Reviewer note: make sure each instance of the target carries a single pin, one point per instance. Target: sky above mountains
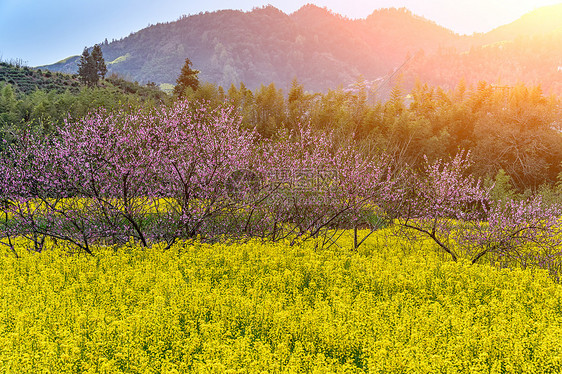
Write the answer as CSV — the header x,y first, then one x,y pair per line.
x,y
41,32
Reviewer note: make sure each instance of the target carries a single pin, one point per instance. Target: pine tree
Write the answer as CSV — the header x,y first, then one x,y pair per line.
x,y
100,63
92,66
187,78
87,69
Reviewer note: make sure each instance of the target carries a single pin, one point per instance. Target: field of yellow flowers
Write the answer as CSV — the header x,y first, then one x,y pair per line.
x,y
390,307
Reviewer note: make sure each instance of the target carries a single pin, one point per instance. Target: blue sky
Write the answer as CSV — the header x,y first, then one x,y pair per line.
x,y
45,31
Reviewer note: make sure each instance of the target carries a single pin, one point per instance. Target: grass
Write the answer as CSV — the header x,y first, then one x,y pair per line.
x,y
119,59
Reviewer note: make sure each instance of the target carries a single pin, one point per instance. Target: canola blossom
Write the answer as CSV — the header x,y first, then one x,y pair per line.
x,y
388,307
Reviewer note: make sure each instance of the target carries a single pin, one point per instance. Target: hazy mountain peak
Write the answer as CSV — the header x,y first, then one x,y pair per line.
x,y
268,10
311,10
324,50
543,20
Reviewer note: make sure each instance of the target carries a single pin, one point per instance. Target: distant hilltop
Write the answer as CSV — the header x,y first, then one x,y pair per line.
x,y
325,50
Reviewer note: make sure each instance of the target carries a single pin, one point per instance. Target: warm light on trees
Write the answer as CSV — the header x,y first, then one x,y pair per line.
x,y
187,79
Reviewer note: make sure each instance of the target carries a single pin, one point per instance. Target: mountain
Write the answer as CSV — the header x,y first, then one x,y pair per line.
x,y
545,20
324,50
320,48
528,50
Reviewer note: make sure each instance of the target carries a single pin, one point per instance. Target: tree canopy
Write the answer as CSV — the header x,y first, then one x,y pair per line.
x,y
92,66
187,79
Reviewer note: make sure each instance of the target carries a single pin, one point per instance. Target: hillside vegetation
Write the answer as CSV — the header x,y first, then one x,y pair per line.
x,y
324,50
27,80
43,100
516,129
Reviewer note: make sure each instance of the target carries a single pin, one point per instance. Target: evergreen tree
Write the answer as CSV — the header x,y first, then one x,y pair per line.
x,y
187,78
92,66
100,63
87,69
297,104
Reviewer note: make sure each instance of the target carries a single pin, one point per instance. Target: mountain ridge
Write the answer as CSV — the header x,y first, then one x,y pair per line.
x,y
320,48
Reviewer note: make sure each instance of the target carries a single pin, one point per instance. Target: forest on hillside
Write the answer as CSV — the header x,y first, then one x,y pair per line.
x,y
42,100
516,130
324,50
513,130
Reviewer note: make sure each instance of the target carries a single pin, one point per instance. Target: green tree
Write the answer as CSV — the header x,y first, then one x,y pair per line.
x,y
503,188
559,181
92,66
97,55
187,79
243,100
269,110
87,69
8,103
298,105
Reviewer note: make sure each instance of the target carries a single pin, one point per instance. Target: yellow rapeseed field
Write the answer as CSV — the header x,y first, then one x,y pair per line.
x,y
274,308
